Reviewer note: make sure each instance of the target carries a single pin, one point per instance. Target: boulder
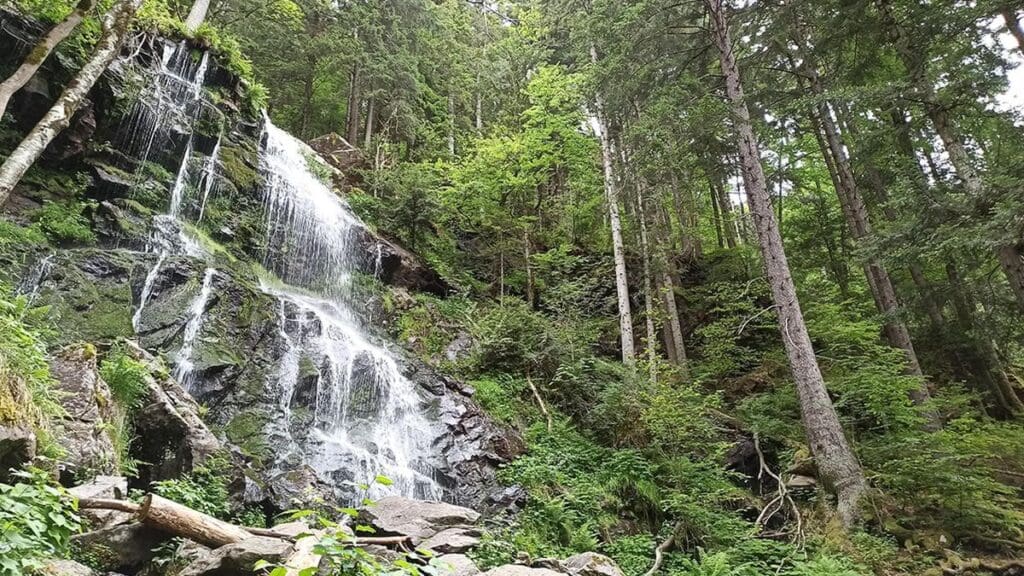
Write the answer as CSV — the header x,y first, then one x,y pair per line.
x,y
126,548
238,559
88,406
417,519
520,570
452,540
17,448
456,565
65,568
110,487
170,436
591,564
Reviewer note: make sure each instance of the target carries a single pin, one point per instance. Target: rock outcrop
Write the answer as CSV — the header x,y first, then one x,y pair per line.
x,y
83,431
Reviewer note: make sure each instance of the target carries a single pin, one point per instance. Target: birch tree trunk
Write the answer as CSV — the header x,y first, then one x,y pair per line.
x,y
619,253
116,26
836,462
197,15
41,52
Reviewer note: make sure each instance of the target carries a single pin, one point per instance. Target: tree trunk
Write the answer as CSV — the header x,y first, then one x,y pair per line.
x,y
42,50
652,338
370,112
716,216
451,124
1013,26
116,26
859,223
836,462
197,15
672,319
173,518
352,119
729,224
619,253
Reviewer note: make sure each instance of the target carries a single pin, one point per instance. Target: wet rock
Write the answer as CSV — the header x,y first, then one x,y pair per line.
x,y
397,266
417,519
88,406
591,564
238,559
109,487
123,548
456,565
17,448
459,348
519,570
452,540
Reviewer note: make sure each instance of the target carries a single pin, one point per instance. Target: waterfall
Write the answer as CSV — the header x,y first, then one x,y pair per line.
x,y
209,176
33,280
196,313
367,416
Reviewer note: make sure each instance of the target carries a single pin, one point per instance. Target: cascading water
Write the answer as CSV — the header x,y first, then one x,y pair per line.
x,y
367,419
184,365
367,415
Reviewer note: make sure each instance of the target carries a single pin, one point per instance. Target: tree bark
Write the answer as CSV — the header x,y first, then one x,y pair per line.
x,y
370,112
619,253
173,518
42,50
197,15
1013,26
652,338
354,101
836,462
716,216
729,224
116,26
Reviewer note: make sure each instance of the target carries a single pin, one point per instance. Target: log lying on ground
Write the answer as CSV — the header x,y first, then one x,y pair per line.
x,y
180,520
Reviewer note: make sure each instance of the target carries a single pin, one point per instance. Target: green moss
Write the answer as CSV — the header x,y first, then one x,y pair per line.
x,y
237,166
245,430
87,310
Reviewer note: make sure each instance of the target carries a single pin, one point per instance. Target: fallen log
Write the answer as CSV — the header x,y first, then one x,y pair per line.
x,y
173,518
303,556
180,520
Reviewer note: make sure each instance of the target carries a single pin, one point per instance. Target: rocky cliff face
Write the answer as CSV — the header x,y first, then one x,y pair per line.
x,y
170,169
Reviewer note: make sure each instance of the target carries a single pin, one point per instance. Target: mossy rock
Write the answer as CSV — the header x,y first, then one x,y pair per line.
x,y
245,430
238,165
90,295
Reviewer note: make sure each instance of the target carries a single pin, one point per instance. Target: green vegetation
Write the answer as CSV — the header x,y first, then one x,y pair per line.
x,y
37,520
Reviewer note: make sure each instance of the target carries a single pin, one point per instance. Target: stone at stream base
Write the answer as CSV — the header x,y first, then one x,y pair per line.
x,y
125,548
452,540
520,570
591,564
85,397
238,559
17,448
456,565
109,487
417,519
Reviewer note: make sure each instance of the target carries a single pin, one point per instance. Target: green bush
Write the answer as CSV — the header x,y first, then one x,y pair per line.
x,y
37,519
126,378
204,489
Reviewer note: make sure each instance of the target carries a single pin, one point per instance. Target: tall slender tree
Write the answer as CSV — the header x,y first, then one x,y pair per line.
x,y
836,462
42,50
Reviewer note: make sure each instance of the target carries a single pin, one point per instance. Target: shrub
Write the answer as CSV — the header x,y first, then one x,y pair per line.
x,y
37,519
64,222
126,378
